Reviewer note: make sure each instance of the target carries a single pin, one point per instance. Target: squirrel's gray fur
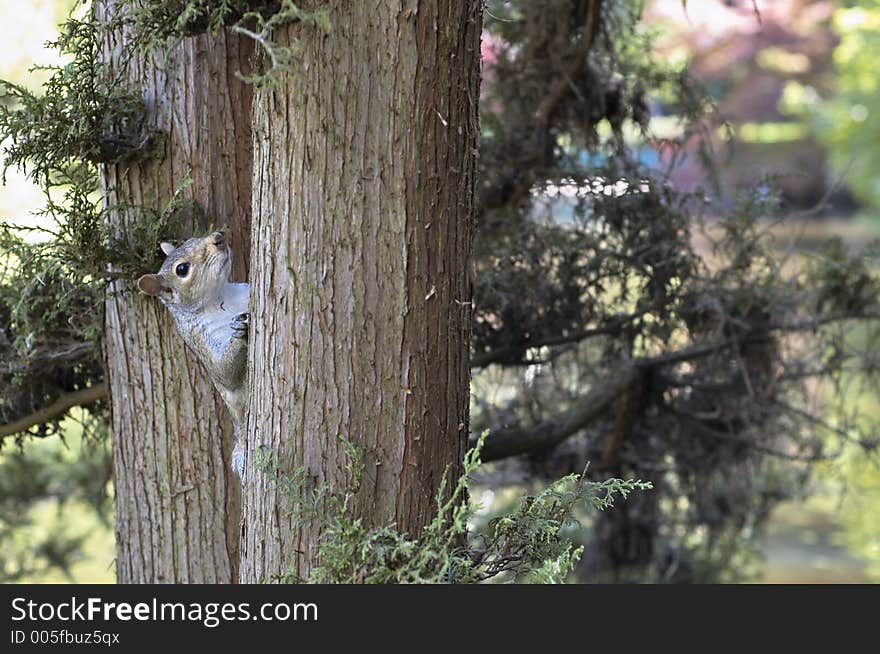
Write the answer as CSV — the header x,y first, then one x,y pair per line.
x,y
211,315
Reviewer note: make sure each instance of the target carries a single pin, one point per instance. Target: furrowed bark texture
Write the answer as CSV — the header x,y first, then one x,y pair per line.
x,y
363,213
177,502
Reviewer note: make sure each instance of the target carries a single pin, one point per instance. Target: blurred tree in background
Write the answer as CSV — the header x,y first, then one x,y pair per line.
x,y
631,307
653,330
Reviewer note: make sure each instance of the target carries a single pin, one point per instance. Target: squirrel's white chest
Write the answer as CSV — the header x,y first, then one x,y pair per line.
x,y
216,320
234,298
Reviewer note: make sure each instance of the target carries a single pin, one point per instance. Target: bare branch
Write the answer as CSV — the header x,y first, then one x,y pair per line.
x,y
58,408
70,353
504,443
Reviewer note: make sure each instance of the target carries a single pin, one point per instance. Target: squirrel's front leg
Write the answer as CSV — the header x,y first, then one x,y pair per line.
x,y
233,359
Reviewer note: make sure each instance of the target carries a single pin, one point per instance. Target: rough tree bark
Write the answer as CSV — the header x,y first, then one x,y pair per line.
x,y
177,505
363,213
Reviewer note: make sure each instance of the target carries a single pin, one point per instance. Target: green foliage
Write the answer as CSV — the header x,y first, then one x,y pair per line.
x,y
282,58
852,481
85,115
848,122
50,325
155,23
526,545
55,506
307,503
39,296
858,511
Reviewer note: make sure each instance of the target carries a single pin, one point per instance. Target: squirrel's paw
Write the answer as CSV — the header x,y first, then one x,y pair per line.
x,y
238,460
240,325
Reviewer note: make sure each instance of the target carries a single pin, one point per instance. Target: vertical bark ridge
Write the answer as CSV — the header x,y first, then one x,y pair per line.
x,y
364,172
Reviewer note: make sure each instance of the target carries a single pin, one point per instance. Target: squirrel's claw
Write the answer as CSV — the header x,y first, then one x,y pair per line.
x,y
240,325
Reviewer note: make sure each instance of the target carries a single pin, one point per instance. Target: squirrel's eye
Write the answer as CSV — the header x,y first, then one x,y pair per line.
x,y
182,269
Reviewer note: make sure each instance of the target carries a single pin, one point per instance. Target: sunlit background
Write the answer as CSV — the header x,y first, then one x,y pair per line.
x,y
799,87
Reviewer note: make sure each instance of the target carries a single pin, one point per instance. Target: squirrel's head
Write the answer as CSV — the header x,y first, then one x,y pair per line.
x,y
193,273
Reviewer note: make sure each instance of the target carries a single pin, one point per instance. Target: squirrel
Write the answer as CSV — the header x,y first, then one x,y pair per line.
x,y
211,314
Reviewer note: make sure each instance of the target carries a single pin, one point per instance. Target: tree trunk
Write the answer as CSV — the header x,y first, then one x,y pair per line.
x,y
363,213
177,503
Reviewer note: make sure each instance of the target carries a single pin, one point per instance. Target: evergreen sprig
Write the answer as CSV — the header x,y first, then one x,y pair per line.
x,y
526,545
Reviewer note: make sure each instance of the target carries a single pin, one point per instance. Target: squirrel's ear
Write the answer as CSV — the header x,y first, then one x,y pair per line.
x,y
151,285
166,247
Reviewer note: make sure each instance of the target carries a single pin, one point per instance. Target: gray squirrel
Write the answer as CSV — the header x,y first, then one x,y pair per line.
x,y
211,315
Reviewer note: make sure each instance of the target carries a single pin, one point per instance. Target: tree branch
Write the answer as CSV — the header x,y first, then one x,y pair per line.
x,y
504,443
58,408
75,351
